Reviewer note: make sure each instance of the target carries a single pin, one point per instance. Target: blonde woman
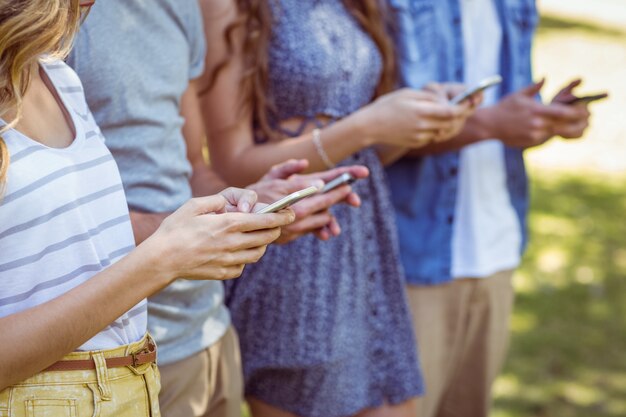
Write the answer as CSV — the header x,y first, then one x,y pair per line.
x,y
72,284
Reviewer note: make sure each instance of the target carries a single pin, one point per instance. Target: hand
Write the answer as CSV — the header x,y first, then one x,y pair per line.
x,y
410,118
451,90
573,124
312,213
201,241
446,92
239,200
519,120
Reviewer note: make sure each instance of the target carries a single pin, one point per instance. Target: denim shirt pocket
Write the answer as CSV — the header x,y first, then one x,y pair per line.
x,y
414,22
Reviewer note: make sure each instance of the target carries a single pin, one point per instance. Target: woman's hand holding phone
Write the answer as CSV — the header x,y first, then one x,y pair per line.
x,y
312,213
202,241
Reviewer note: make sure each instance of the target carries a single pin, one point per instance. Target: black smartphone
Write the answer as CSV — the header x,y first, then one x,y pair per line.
x,y
587,99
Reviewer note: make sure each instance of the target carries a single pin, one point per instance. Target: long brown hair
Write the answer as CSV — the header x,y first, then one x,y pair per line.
x,y
255,19
28,30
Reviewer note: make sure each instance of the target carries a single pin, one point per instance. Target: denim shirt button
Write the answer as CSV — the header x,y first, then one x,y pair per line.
x,y
450,219
459,73
456,20
454,171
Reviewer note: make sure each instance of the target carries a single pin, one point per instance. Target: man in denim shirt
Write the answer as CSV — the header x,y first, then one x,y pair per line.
x,y
461,205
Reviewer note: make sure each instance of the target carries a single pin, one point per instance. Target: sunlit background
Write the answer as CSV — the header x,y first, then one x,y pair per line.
x,y
568,352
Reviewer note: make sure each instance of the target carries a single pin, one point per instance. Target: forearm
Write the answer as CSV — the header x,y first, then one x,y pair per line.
x,y
247,166
205,181
36,338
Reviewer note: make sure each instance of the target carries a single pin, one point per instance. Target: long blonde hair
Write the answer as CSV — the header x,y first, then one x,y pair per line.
x,y
29,29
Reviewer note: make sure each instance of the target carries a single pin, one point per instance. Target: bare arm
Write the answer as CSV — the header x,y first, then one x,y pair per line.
x,y
36,338
204,181
404,118
190,243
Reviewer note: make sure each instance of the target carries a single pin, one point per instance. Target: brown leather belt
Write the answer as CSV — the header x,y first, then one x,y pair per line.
x,y
146,355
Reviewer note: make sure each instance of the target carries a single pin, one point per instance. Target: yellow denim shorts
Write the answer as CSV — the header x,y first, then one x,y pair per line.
x,y
105,392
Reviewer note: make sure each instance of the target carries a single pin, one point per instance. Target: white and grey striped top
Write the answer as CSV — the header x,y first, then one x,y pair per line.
x,y
64,217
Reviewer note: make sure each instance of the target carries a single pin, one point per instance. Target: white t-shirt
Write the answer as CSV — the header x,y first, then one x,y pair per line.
x,y
487,235
63,217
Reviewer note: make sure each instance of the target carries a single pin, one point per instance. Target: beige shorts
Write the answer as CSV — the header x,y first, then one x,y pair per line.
x,y
209,383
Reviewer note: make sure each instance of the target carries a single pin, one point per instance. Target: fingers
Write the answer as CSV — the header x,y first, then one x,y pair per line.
x,y
286,169
435,111
421,95
358,171
248,222
353,200
219,273
240,199
243,257
322,234
201,205
333,227
561,112
310,223
239,241
533,89
454,89
569,87
299,182
321,201
571,130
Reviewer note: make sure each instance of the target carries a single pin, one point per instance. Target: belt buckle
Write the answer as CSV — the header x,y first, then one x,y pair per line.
x,y
148,347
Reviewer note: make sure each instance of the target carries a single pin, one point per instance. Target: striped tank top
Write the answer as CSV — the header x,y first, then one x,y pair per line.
x,y
63,217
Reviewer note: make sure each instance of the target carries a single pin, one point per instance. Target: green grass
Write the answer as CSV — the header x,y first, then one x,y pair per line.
x,y
568,352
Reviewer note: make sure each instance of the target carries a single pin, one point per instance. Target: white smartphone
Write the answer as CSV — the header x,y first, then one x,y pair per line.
x,y
343,179
287,201
481,86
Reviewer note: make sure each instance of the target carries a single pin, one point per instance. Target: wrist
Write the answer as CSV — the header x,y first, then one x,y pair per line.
x,y
362,128
155,262
486,123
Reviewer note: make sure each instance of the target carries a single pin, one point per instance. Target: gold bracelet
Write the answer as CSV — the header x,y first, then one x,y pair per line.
x,y
317,141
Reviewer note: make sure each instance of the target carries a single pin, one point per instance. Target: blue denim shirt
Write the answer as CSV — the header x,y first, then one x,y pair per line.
x,y
429,38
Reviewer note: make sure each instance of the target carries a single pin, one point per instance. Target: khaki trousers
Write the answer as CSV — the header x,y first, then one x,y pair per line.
x,y
462,329
209,383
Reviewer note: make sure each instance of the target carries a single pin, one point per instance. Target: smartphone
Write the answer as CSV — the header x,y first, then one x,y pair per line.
x,y
481,86
343,179
287,201
587,99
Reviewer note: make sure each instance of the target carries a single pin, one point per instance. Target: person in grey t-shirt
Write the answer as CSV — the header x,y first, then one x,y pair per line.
x,y
138,61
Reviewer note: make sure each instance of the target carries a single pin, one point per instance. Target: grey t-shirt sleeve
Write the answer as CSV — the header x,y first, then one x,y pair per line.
x,y
197,41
